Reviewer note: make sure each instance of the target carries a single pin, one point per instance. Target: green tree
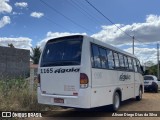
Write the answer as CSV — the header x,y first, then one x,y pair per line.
x,y
152,70
11,45
35,54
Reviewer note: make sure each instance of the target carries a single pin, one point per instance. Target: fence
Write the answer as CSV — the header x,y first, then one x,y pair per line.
x,y
14,62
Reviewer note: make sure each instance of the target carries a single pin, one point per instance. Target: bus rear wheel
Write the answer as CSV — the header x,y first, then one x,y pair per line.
x,y
116,102
139,97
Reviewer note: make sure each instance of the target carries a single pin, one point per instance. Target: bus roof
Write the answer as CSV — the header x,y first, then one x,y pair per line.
x,y
99,42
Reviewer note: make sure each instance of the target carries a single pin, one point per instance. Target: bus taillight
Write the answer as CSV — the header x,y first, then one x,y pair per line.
x,y
38,80
83,80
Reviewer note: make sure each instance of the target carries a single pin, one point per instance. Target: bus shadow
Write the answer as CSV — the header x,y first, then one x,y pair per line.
x,y
128,102
151,91
93,112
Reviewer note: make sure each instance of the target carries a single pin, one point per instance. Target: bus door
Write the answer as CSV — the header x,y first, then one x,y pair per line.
x,y
136,78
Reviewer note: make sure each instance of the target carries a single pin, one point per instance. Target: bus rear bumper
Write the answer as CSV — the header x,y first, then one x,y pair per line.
x,y
66,101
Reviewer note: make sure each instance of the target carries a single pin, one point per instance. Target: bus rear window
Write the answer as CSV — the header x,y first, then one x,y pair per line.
x,y
62,53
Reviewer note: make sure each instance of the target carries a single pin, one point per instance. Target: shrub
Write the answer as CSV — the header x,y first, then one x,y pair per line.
x,y
15,95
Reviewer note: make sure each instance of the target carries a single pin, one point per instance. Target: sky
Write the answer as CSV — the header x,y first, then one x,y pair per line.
x,y
30,23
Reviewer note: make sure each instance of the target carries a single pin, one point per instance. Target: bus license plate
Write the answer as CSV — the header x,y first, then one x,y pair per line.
x,y
58,100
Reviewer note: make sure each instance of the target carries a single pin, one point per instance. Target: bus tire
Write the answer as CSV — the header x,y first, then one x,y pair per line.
x,y
139,97
116,102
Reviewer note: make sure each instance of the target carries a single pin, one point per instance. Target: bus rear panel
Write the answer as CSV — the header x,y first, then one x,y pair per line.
x,y
62,82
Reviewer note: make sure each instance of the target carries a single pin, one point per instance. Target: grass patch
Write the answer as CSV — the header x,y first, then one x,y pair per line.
x,y
15,95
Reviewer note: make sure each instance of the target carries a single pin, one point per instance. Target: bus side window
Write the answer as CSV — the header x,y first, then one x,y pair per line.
x,y
126,62
110,59
116,60
95,57
135,65
121,60
139,67
130,64
103,58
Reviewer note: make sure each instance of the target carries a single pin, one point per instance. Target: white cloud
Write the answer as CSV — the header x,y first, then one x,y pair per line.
x,y
4,21
21,4
58,34
20,42
5,7
37,14
17,13
147,32
144,54
51,35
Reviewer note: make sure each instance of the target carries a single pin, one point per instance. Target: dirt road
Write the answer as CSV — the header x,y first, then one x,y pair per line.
x,y
150,102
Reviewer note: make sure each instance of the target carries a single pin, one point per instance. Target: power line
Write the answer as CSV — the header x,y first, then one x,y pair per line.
x,y
133,37
89,11
79,24
80,10
65,16
83,11
139,41
50,20
108,18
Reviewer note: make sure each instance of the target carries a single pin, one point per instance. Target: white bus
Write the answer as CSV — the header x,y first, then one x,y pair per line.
x,y
82,72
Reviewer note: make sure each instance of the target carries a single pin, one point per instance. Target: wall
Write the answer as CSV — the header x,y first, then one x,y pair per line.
x,y
14,62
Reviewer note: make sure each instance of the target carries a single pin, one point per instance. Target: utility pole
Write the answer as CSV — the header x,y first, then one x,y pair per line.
x,y
133,45
158,60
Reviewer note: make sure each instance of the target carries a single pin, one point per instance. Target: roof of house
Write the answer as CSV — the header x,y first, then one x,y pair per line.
x,y
33,66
